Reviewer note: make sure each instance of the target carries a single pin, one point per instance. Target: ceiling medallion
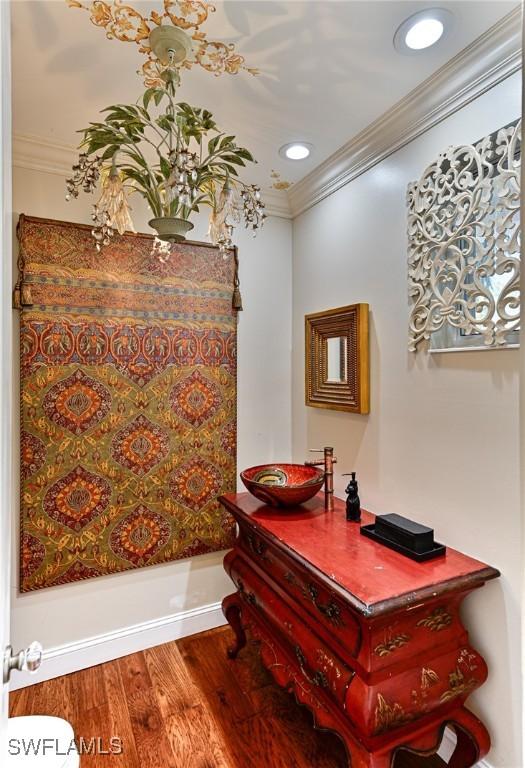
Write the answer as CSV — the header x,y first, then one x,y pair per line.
x,y
172,154
122,22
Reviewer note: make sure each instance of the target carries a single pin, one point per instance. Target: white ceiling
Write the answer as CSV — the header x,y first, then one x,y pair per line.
x,y
328,69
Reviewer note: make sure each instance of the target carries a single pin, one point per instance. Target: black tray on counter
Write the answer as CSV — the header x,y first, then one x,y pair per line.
x,y
404,536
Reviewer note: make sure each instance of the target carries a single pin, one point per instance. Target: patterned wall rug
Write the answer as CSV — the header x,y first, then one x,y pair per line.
x,y
128,403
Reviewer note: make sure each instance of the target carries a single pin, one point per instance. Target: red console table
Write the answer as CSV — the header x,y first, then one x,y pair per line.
x,y
369,640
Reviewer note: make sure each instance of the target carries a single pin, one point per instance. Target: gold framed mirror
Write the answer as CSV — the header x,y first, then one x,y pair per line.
x,y
337,364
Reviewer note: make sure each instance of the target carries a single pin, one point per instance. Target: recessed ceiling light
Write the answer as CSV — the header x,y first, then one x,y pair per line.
x,y
296,150
422,30
424,34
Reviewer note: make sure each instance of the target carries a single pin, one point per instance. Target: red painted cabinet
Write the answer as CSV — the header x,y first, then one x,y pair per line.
x,y
369,640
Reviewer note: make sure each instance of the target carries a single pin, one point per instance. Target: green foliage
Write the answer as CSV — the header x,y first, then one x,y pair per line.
x,y
143,146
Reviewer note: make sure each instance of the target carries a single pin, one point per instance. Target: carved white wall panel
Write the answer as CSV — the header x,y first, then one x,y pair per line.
x,y
464,242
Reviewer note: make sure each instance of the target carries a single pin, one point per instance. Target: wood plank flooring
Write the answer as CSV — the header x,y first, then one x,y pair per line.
x,y
185,705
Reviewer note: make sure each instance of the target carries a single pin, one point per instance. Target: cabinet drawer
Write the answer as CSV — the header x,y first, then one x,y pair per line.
x,y
318,664
412,692
401,637
335,620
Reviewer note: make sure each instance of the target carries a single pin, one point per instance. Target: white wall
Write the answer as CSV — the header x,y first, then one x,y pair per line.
x,y
6,403
522,429
70,613
441,441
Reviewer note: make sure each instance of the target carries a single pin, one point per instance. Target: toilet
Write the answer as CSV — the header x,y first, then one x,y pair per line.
x,y
39,741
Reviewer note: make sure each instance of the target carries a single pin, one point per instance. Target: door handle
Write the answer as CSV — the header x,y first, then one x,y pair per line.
x,y
28,660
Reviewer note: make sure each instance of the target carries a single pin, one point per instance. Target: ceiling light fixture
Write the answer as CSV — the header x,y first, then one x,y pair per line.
x,y
296,150
424,34
422,30
194,163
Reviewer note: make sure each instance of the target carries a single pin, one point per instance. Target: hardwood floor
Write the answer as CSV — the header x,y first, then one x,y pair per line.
x,y
185,705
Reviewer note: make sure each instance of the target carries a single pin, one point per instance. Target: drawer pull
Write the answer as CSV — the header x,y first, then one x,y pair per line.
x,y
248,596
318,678
331,610
258,548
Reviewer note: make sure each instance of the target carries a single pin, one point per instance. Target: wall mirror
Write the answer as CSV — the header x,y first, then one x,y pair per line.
x,y
337,367
336,351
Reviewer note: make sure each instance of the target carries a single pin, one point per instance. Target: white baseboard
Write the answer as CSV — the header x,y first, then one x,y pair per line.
x,y
64,659
447,748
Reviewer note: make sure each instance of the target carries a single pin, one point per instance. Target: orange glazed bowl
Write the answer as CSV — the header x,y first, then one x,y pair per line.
x,y
283,485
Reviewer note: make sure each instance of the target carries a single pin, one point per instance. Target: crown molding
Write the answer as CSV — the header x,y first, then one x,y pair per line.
x,y
486,62
36,153
277,203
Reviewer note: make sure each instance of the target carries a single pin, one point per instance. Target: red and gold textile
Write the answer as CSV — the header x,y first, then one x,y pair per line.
x,y
128,403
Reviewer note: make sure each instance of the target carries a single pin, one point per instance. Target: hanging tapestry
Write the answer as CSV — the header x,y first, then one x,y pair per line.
x,y
128,402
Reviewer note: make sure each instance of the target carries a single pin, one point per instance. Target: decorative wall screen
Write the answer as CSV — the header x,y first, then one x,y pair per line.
x,y
464,246
128,403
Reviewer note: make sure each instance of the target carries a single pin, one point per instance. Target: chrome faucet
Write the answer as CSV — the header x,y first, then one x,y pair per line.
x,y
328,463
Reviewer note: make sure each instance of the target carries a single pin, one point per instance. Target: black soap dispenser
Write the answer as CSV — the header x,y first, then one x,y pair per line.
x,y
353,503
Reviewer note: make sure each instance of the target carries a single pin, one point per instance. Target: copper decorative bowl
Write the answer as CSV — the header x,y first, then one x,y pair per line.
x,y
283,485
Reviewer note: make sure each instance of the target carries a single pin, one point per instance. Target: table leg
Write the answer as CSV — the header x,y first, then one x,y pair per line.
x,y
232,610
360,758
380,761
473,740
